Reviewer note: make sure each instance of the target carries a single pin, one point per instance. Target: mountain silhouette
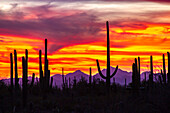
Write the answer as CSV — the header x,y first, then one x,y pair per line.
x,y
57,78
119,77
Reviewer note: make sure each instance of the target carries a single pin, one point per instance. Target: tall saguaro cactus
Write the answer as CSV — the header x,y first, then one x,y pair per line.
x,y
40,69
16,70
11,65
139,71
151,72
90,77
45,60
26,62
164,70
24,82
46,71
108,76
168,74
136,75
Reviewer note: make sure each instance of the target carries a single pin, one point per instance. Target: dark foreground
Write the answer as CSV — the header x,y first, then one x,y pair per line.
x,y
85,98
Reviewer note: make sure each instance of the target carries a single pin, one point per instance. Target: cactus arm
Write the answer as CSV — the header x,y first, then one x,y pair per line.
x,y
100,73
114,72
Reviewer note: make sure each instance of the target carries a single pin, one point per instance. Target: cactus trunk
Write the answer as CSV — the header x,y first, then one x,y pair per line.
x,y
24,82
16,70
11,65
46,67
90,77
151,72
108,76
168,74
26,62
164,70
138,71
40,69
108,57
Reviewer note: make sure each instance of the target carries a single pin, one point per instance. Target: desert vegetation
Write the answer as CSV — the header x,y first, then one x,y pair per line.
x,y
92,96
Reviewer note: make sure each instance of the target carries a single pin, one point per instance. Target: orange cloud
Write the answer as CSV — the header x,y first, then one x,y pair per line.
x,y
77,34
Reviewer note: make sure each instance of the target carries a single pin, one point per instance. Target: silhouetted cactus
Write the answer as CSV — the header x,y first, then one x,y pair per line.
x,y
164,70
46,71
26,62
16,70
11,66
24,82
108,76
48,78
134,77
32,82
168,74
40,69
90,77
151,72
138,69
160,78
11,79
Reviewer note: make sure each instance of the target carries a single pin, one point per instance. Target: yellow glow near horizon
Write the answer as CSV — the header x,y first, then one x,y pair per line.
x,y
136,29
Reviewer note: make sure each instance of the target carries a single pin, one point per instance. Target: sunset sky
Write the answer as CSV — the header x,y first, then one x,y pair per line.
x,y
76,33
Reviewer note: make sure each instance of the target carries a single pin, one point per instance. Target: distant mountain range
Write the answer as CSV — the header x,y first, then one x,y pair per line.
x,y
119,77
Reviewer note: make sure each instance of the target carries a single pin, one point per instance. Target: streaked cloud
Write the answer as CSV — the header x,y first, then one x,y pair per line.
x,y
76,32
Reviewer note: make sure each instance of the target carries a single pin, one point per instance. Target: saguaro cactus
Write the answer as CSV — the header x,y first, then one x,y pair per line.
x,y
24,82
164,70
16,70
33,77
26,62
90,77
45,60
40,69
138,68
151,72
136,74
11,65
46,71
168,74
108,76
